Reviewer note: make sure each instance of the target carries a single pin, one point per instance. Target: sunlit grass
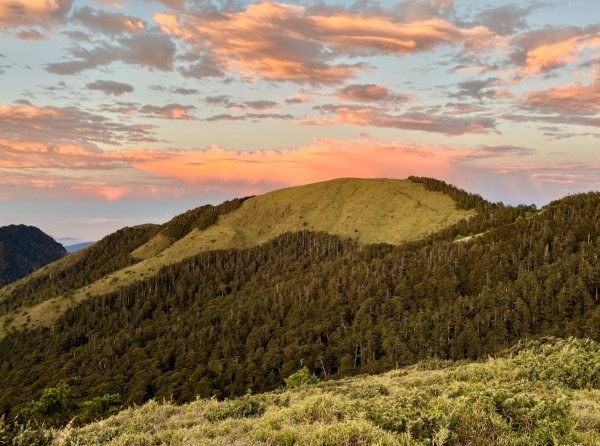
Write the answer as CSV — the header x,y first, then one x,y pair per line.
x,y
501,401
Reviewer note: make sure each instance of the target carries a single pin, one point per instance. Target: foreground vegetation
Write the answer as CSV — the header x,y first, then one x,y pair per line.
x,y
543,393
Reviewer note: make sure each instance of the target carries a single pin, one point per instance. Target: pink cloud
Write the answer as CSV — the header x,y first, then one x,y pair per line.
x,y
573,98
158,175
325,159
23,122
169,111
102,191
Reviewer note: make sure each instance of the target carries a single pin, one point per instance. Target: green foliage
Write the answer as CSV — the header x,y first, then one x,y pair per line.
x,y
55,407
58,405
302,377
485,403
464,199
574,362
199,218
97,409
16,433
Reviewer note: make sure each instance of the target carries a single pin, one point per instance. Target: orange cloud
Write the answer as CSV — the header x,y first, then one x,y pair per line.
x,y
102,191
545,57
381,35
325,159
28,111
75,171
286,42
15,13
548,56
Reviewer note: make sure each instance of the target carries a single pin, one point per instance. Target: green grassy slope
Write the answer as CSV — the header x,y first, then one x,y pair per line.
x,y
366,210
545,394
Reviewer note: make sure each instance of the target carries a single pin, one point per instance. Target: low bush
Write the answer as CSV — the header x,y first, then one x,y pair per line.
x,y
302,377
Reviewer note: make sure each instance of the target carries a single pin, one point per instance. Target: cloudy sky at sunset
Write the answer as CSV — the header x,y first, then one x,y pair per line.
x,y
120,112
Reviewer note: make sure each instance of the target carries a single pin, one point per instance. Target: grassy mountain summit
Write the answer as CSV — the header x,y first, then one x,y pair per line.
x,y
364,210
367,210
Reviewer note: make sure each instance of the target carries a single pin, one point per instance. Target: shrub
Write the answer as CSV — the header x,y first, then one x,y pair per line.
x,y
30,433
239,408
302,377
97,409
571,362
55,408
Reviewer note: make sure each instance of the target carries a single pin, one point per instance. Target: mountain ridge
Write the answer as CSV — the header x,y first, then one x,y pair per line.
x,y
224,322
366,215
24,249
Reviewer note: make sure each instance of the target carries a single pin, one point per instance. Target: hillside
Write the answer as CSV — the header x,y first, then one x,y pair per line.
x,y
539,394
228,321
225,322
23,249
367,211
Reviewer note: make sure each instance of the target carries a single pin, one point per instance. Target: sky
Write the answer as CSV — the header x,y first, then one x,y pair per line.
x,y
120,112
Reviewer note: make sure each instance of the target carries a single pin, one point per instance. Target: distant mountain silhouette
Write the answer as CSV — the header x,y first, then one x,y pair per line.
x,y
77,246
23,249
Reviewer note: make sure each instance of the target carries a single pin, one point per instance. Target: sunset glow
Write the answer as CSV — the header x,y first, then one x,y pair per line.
x,y
123,112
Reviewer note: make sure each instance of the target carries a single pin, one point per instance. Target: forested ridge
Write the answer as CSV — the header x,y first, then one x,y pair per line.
x,y
110,254
225,322
24,249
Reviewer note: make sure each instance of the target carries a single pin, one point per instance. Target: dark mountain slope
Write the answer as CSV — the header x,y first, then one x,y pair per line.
x,y
227,321
24,249
110,254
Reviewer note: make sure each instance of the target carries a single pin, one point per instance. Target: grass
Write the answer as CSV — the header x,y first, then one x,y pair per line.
x,y
367,210
546,394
